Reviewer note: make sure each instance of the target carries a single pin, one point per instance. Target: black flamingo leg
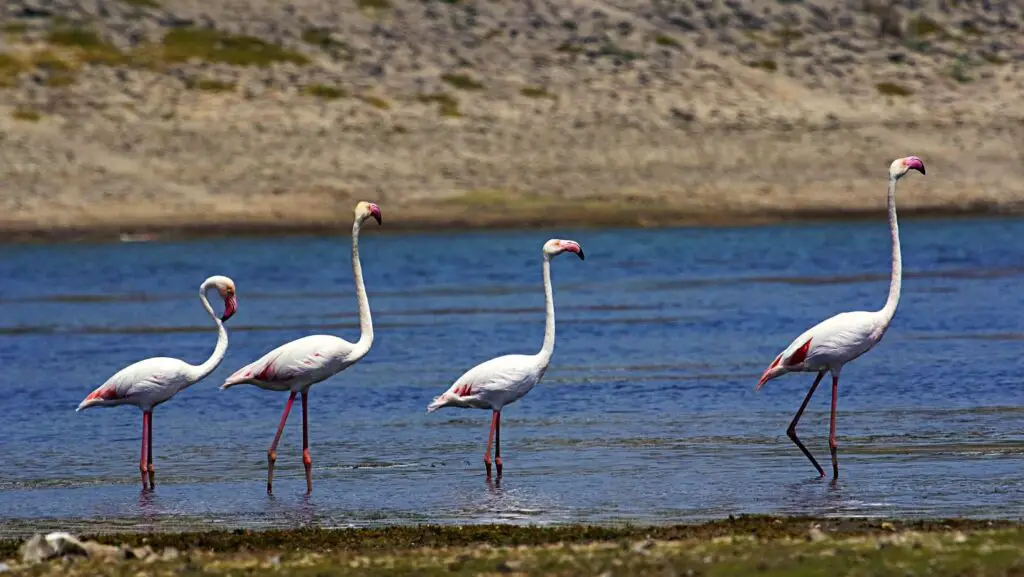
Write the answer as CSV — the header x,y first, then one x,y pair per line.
x,y
791,431
490,439
307,461
272,451
497,441
142,458
149,455
833,447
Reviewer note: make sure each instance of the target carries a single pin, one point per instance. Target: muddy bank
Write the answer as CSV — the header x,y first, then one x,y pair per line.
x,y
742,545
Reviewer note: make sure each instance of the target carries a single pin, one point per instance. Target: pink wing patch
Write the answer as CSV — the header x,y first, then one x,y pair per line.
x,y
463,390
799,355
103,393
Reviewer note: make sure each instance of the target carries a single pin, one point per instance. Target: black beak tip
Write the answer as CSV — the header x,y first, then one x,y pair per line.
x,y
922,170
580,253
224,318
379,220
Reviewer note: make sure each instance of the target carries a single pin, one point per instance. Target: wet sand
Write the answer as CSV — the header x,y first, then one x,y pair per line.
x,y
737,546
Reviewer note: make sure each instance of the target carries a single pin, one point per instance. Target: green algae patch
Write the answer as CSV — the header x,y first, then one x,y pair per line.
x,y
736,546
209,45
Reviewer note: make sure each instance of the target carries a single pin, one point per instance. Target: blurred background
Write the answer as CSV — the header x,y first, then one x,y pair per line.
x,y
135,115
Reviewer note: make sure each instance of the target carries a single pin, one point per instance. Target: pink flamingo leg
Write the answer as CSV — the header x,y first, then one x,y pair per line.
x,y
490,439
142,458
149,454
791,431
497,441
306,459
833,447
272,451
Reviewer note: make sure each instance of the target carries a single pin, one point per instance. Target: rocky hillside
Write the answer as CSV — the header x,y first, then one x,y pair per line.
x,y
155,113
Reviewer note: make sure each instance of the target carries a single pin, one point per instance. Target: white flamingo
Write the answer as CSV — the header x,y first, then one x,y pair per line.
x,y
151,382
832,343
506,379
302,363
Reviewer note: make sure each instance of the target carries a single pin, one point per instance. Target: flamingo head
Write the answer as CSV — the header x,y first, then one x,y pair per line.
x,y
902,166
365,210
226,289
555,247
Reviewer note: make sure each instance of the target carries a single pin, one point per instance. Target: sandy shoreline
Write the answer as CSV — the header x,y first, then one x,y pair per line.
x,y
413,221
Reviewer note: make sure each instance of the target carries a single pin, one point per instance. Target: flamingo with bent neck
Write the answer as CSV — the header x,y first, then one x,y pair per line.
x,y
153,381
506,379
829,345
300,364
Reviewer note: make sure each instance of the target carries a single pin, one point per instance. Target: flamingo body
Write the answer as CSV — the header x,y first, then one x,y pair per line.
x,y
144,384
828,345
492,384
297,365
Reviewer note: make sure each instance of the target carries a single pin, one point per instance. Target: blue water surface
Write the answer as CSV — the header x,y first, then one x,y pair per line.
x,y
648,413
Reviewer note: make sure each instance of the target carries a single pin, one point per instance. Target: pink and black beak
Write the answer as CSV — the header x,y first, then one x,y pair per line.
x,y
375,213
573,248
230,306
915,163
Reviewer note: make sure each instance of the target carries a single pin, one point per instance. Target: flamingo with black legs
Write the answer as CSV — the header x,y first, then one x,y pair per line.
x,y
300,364
832,343
503,380
153,381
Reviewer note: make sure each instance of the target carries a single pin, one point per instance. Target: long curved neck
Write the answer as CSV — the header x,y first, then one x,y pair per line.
x,y
548,347
889,309
211,363
365,320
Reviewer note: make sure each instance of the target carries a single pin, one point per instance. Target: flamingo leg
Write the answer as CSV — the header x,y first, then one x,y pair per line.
x,y
307,461
272,451
791,431
833,447
497,441
490,438
142,457
149,454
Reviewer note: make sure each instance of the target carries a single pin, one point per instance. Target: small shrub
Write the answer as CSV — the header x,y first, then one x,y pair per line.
x,y
15,28
959,70
461,81
58,71
26,114
210,85
993,58
892,89
922,27
917,45
569,48
769,65
970,28
787,36
535,92
87,45
10,68
447,105
373,4
183,44
375,101
326,92
142,3
663,40
615,51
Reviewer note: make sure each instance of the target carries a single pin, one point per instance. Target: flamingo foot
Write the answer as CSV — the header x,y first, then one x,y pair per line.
x,y
487,465
144,472
498,464
152,476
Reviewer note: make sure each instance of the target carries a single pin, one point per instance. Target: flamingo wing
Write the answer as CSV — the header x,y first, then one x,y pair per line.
x,y
145,383
309,359
491,384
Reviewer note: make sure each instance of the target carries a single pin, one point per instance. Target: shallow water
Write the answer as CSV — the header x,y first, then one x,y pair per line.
x,y
647,414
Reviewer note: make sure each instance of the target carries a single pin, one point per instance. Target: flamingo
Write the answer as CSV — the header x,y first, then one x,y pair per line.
x,y
300,364
153,381
829,345
506,379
